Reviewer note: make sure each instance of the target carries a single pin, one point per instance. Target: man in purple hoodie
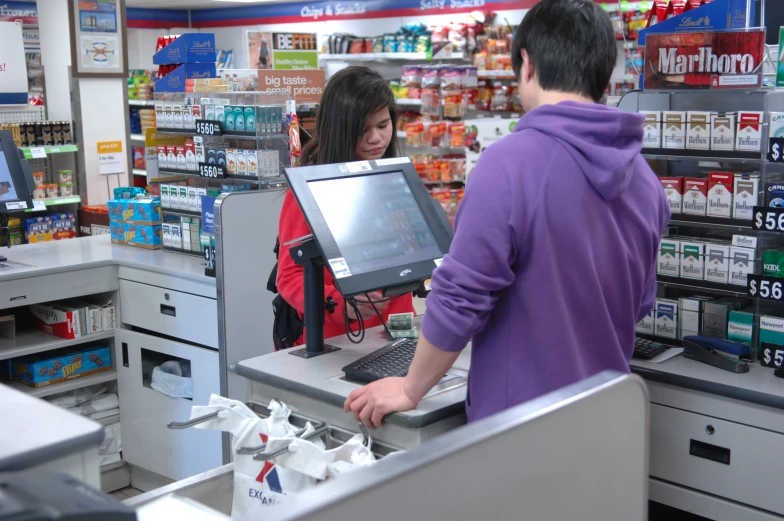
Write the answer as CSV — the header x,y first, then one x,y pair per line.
x,y
554,256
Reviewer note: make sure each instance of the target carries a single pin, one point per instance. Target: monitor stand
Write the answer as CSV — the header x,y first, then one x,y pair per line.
x,y
307,255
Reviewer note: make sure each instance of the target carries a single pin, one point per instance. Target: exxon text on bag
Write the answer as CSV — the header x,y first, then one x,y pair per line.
x,y
720,60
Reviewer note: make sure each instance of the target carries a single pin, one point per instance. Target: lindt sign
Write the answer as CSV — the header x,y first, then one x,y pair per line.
x,y
704,60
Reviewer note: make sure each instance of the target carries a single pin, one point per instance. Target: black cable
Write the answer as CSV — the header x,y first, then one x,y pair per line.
x,y
389,335
358,336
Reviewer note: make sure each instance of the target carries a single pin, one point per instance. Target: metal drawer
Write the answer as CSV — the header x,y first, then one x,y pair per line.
x,y
728,459
172,313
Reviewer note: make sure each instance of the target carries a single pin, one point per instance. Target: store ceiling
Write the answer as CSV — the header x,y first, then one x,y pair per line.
x,y
196,4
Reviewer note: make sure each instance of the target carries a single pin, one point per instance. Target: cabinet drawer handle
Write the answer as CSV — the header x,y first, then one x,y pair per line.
x,y
168,310
125,354
710,452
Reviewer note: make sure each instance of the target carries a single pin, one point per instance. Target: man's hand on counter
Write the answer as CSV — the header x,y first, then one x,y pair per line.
x,y
371,403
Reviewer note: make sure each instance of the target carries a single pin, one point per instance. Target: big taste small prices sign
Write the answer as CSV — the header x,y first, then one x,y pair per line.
x,y
705,60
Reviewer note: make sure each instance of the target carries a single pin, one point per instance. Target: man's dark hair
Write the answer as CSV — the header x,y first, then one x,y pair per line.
x,y
571,45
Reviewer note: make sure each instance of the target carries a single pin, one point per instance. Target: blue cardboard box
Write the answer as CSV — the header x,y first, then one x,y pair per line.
x,y
175,80
57,366
143,236
140,211
188,48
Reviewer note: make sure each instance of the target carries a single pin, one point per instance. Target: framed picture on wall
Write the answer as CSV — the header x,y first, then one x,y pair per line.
x,y
99,47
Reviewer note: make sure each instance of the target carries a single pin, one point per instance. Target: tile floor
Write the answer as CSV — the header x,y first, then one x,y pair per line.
x,y
125,493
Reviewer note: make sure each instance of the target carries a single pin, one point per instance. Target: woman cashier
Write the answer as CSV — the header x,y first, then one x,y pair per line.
x,y
356,121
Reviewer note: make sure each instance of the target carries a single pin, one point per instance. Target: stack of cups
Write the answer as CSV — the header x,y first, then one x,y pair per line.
x,y
66,182
40,188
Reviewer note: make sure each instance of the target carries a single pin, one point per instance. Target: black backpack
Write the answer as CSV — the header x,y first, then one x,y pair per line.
x,y
288,326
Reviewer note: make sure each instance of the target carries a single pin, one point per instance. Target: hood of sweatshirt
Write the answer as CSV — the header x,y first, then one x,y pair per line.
x,y
604,141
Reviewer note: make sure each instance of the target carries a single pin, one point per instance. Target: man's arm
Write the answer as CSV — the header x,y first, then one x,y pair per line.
x,y
370,404
466,288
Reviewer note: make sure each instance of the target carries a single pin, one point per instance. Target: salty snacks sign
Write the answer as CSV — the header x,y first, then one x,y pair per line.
x,y
705,60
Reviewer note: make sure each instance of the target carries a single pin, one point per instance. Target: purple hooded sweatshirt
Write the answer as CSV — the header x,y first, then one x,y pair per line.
x,y
554,256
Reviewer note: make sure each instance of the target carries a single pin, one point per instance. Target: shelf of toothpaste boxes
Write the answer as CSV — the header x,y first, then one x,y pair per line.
x,y
709,150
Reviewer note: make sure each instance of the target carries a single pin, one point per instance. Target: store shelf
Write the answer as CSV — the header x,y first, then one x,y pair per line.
x,y
730,289
173,171
496,75
58,201
710,222
137,137
32,341
714,156
139,171
183,213
59,149
68,385
230,135
141,103
390,56
184,252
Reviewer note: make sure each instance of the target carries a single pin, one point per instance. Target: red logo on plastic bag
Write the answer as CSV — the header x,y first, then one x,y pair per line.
x,y
269,473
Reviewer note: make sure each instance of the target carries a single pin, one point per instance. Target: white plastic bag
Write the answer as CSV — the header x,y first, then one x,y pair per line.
x,y
76,397
257,484
168,379
316,462
261,484
112,440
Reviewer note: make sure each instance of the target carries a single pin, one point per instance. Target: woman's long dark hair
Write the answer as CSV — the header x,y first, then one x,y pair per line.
x,y
350,98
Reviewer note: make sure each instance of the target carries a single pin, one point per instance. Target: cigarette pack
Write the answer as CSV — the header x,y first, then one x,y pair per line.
x,y
55,321
160,116
231,161
177,116
774,195
741,264
776,125
688,317
720,186
163,157
695,196
740,327
176,233
771,340
666,320
674,130
183,197
717,263
749,131
673,188
645,326
744,241
187,117
193,206
242,162
190,156
773,263
669,258
182,163
220,114
165,200
723,131
698,130
652,135
252,158
745,196
692,259
167,238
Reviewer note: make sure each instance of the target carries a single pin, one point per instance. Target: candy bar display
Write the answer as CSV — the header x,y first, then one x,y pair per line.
x,y
41,133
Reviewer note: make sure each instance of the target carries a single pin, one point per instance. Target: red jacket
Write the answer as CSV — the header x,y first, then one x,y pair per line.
x,y
291,278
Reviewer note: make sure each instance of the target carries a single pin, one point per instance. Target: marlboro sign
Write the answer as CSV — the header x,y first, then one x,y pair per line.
x,y
704,60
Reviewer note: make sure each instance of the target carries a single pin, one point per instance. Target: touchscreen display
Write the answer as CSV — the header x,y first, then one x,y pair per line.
x,y
375,221
7,191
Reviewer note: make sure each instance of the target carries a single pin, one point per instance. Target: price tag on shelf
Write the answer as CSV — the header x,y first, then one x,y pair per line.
x,y
212,171
208,127
768,219
776,149
38,205
765,287
38,153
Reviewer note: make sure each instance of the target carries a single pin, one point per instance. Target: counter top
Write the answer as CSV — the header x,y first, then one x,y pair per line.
x,y
92,252
321,378
28,438
757,386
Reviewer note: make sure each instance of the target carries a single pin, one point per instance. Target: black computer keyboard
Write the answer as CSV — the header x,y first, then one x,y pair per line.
x,y
391,360
648,349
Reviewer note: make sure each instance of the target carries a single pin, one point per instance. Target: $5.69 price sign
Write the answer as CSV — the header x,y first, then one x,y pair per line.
x,y
768,219
776,149
768,288
208,127
212,171
771,355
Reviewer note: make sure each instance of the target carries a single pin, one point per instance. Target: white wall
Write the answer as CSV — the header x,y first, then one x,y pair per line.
x,y
55,57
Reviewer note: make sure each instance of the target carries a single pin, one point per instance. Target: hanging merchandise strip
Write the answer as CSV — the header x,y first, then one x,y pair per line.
x,y
320,11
